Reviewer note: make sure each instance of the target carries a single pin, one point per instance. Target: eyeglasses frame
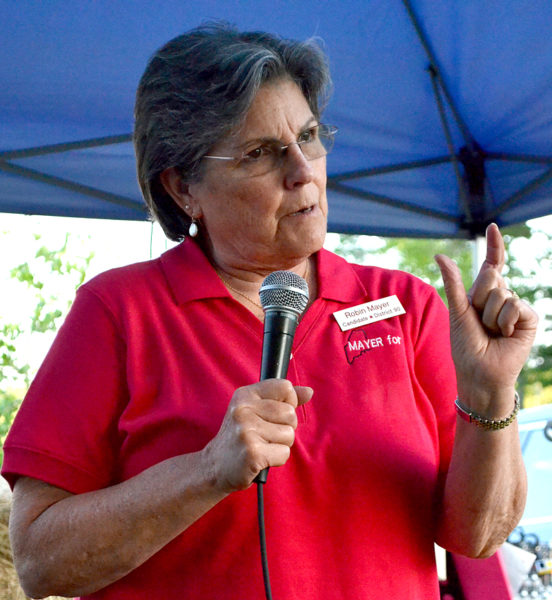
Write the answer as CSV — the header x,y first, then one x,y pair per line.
x,y
329,132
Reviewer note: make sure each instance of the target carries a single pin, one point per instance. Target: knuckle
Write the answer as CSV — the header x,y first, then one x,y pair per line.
x,y
255,459
285,453
280,456
242,413
241,395
236,412
252,450
285,388
511,305
287,385
288,413
286,435
246,436
291,435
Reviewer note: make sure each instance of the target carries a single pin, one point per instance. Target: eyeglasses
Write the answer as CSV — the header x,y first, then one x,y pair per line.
x,y
315,142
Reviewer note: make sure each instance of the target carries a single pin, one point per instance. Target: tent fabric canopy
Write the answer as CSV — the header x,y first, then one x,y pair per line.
x,y
444,109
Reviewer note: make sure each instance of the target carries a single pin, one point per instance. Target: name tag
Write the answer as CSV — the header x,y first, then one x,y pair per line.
x,y
369,312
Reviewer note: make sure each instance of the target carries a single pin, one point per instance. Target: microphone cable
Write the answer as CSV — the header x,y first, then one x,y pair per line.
x,y
284,296
262,539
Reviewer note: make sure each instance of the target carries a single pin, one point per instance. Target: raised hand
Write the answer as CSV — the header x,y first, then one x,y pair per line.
x,y
492,330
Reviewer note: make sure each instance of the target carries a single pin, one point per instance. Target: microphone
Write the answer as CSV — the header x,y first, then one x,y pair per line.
x,y
284,296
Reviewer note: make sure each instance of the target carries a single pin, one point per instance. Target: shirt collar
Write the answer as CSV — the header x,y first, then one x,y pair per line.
x,y
337,279
191,276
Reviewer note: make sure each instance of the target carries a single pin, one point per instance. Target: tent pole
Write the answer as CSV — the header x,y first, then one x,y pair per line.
x,y
479,251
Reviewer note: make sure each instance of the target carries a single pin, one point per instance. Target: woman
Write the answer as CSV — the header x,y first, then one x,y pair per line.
x,y
141,486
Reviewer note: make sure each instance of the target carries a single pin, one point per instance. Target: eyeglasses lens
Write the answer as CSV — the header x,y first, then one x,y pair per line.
x,y
317,146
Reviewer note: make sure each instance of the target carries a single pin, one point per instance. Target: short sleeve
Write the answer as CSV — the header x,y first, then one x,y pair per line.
x,y
66,431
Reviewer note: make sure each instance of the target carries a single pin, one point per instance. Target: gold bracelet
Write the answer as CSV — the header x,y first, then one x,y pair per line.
x,y
489,424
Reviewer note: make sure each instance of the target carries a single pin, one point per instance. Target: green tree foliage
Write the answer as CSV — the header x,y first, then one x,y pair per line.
x,y
51,279
416,256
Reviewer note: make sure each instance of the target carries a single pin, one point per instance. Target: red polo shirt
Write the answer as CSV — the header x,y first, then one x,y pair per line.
x,y
144,368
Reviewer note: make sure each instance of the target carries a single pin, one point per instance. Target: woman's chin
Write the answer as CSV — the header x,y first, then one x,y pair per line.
x,y
304,241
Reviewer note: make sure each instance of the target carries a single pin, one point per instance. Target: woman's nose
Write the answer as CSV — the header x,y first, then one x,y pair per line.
x,y
297,169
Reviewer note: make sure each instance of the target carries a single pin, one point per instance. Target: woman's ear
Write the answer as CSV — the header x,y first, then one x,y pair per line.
x,y
174,186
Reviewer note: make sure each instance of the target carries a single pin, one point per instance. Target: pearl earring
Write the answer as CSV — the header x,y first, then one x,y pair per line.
x,y
193,229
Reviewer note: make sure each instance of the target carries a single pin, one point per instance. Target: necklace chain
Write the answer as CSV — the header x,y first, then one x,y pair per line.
x,y
229,285
248,298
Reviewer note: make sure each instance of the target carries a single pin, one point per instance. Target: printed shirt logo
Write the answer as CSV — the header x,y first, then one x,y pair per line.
x,y
358,343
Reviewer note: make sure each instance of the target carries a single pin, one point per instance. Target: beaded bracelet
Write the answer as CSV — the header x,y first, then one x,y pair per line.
x,y
489,424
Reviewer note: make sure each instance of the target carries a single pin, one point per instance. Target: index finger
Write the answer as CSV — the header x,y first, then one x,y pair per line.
x,y
495,249
283,390
489,275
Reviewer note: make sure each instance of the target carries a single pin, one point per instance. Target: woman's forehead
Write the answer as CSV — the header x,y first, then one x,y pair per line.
x,y
278,111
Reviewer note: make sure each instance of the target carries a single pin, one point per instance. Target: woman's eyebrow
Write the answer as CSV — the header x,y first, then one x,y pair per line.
x,y
310,122
259,140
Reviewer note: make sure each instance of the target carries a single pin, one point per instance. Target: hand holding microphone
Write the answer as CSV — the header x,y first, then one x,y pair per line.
x,y
284,296
258,429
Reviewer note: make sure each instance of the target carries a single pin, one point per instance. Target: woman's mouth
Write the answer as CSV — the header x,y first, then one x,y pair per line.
x,y
303,211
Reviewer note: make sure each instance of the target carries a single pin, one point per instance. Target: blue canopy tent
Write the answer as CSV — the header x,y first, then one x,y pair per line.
x,y
444,109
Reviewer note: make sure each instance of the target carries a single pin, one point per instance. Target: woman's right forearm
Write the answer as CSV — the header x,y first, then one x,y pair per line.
x,y
73,545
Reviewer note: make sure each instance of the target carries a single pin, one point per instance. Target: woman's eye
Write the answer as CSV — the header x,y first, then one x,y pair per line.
x,y
257,153
308,136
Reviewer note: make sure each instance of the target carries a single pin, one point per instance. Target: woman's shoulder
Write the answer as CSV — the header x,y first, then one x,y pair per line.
x,y
179,274
125,278
135,284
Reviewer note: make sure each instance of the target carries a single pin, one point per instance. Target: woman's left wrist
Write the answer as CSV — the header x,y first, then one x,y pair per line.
x,y
494,405
485,422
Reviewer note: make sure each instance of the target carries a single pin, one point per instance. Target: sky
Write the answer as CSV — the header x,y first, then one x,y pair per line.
x,y
116,243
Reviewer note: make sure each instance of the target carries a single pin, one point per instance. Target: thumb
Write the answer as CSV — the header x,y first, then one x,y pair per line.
x,y
454,287
304,394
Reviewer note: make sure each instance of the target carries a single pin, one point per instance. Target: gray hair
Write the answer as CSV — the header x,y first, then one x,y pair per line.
x,y
197,89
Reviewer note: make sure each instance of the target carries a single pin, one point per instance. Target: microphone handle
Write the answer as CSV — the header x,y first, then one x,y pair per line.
x,y
279,331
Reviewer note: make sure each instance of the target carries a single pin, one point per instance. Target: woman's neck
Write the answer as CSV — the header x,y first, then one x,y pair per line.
x,y
244,284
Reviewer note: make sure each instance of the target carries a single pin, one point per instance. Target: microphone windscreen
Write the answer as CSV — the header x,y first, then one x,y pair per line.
x,y
284,290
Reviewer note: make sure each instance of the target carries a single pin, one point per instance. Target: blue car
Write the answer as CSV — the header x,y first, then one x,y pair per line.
x,y
535,426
